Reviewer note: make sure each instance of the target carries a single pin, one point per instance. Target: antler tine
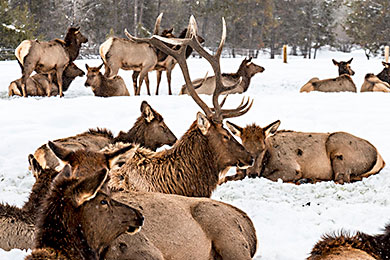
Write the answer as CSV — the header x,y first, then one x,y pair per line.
x,y
239,111
157,24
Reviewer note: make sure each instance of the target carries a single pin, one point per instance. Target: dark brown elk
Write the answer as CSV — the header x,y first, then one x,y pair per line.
x,y
299,157
384,75
372,83
342,83
79,219
46,57
40,84
245,72
344,246
222,231
126,54
148,131
192,166
103,86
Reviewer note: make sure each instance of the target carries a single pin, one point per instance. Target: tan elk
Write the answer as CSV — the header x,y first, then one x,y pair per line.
x,y
344,246
103,86
126,54
148,131
244,74
192,166
45,57
41,85
343,82
372,83
171,222
300,157
79,218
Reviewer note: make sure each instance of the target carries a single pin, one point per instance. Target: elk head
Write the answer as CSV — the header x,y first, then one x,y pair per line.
x,y
249,68
72,71
93,76
74,34
228,151
344,67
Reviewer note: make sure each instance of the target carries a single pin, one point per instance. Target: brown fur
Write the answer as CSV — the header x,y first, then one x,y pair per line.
x,y
297,156
373,84
384,75
40,84
103,86
246,71
45,57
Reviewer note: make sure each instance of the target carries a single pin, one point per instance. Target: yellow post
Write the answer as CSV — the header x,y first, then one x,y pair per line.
x,y
284,53
387,54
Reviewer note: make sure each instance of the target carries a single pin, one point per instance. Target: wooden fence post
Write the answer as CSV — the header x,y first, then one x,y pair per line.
x,y
284,53
387,54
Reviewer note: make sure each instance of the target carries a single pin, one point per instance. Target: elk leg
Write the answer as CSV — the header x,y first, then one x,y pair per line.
x,y
135,77
147,84
59,72
158,73
142,75
240,175
169,74
27,70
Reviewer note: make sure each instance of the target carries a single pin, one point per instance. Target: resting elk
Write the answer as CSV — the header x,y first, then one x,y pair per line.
x,y
171,222
342,83
344,246
75,216
372,83
192,166
103,86
300,157
384,75
45,57
244,74
40,84
148,131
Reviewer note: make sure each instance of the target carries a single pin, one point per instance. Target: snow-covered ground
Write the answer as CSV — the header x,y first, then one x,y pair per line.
x,y
289,219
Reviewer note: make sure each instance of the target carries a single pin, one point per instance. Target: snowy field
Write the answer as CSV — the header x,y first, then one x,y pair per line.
x,y
289,219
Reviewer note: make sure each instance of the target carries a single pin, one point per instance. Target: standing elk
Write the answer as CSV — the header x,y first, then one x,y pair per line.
x,y
40,84
244,73
148,131
46,57
297,157
343,82
372,83
192,166
344,246
76,215
103,86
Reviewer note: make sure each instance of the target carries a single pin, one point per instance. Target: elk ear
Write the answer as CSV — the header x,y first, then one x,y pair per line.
x,y
271,128
113,156
203,123
385,64
61,152
250,59
88,187
36,168
65,173
350,61
235,129
335,62
147,111
100,66
86,66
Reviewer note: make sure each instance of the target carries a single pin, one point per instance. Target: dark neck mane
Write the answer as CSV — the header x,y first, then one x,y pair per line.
x,y
71,46
134,135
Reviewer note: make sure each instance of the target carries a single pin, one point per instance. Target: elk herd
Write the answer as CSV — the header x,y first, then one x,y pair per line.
x,y
100,196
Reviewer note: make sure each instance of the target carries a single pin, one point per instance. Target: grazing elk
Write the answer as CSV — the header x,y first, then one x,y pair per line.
x,y
192,166
222,231
76,215
40,84
342,83
372,83
298,157
45,57
148,131
359,246
244,73
103,86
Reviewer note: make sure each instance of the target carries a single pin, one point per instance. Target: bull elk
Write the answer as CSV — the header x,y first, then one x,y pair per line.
x,y
372,83
46,57
245,72
299,157
343,82
40,84
344,246
103,86
192,166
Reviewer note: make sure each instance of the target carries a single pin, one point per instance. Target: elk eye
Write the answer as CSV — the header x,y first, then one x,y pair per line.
x,y
226,137
103,202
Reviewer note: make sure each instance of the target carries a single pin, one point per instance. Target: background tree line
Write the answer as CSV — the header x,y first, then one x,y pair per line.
x,y
305,25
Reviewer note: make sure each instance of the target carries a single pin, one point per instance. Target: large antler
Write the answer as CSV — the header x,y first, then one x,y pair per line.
x,y
145,40
217,113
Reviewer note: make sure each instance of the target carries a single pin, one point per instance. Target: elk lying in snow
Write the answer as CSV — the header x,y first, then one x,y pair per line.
x,y
40,84
342,83
245,72
359,246
45,57
103,86
79,219
372,83
222,231
192,166
149,131
384,75
297,156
